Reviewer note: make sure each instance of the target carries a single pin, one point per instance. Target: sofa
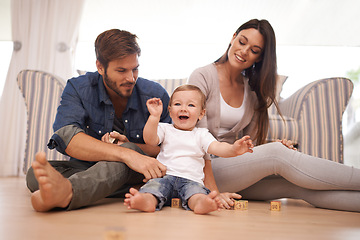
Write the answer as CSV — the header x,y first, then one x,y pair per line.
x,y
311,117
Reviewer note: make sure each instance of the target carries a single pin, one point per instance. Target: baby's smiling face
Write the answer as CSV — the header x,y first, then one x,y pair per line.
x,y
186,109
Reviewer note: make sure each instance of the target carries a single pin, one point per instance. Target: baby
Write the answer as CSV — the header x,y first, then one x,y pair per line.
x,y
182,150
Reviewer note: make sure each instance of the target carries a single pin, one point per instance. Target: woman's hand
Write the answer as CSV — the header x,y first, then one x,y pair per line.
x,y
227,199
287,143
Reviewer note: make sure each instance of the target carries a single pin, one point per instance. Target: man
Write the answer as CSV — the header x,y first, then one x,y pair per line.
x,y
92,105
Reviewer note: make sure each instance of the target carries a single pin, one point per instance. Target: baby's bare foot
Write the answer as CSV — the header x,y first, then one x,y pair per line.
x,y
54,189
145,202
203,204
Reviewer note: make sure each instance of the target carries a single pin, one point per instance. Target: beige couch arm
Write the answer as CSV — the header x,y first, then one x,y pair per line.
x,y
318,109
42,92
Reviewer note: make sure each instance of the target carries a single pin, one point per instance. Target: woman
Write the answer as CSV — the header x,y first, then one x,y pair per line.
x,y
240,86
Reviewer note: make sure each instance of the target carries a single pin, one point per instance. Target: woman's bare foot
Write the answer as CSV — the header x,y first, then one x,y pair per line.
x,y
203,204
145,202
54,189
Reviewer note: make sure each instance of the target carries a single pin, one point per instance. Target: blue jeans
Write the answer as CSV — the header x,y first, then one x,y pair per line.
x,y
168,187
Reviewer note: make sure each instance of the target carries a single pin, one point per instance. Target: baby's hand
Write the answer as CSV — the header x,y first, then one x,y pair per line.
x,y
243,145
155,106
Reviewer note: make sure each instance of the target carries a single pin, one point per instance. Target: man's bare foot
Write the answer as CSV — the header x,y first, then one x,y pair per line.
x,y
145,202
54,189
203,204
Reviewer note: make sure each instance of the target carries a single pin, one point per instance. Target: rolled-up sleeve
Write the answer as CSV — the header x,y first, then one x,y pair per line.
x,y
70,119
61,138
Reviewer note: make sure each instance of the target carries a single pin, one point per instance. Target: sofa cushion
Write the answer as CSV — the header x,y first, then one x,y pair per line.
x,y
171,84
282,129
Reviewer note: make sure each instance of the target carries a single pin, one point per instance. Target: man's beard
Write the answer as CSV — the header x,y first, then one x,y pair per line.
x,y
112,85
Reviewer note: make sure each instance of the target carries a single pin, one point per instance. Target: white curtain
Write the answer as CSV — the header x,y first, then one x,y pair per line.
x,y
45,34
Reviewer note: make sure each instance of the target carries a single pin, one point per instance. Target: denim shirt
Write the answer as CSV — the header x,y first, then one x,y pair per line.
x,y
86,107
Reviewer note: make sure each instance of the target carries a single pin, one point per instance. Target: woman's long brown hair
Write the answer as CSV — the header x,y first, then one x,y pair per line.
x,y
262,75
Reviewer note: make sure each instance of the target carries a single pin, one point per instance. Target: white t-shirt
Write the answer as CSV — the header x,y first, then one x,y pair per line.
x,y
230,116
182,152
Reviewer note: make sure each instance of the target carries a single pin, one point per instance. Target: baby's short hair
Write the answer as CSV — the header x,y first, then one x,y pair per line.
x,y
189,87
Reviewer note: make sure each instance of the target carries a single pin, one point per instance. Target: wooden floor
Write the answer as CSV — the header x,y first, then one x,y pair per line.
x,y
296,220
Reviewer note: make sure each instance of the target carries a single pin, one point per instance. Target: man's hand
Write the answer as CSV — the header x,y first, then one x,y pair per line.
x,y
148,166
114,137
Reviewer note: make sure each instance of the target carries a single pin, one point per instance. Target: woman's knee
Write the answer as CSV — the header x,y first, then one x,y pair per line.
x,y
277,152
274,148
279,147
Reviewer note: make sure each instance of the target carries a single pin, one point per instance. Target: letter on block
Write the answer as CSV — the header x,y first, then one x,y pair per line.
x,y
241,205
175,202
275,205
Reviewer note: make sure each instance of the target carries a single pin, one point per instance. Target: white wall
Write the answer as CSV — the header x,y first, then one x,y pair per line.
x,y
178,36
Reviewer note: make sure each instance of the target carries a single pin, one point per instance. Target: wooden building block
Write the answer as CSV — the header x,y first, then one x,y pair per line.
x,y
114,235
175,202
275,205
241,205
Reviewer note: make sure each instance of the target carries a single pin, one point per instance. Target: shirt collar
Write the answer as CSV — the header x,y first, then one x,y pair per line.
x,y
103,96
133,102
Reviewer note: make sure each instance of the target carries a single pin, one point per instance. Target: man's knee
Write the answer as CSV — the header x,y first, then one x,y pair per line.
x,y
132,146
31,181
